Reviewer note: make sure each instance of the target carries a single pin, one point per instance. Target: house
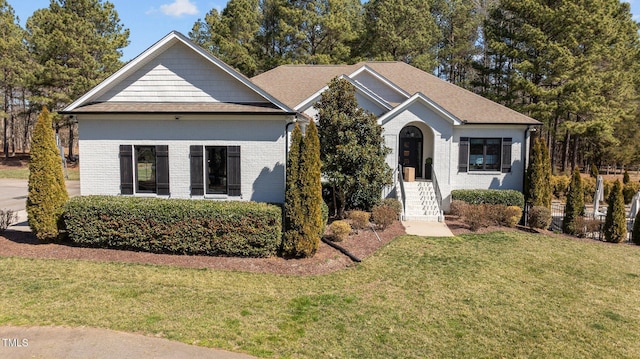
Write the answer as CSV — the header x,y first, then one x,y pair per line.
x,y
472,142
178,122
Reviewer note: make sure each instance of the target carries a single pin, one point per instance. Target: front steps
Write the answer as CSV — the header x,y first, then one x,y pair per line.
x,y
421,203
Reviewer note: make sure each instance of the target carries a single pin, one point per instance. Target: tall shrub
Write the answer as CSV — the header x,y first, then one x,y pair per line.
x,y
615,225
574,208
625,177
293,211
47,192
311,192
538,186
594,171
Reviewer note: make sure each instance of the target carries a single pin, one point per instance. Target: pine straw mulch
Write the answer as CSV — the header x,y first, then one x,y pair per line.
x,y
23,244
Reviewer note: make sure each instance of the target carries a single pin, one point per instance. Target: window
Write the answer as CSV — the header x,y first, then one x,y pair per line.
x,y
151,164
485,154
215,170
145,169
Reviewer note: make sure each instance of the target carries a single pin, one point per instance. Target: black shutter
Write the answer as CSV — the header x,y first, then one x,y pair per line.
x,y
162,170
463,155
197,171
233,169
506,155
126,169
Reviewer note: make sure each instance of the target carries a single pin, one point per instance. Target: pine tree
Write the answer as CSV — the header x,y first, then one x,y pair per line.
x,y
574,208
625,177
615,225
293,207
47,191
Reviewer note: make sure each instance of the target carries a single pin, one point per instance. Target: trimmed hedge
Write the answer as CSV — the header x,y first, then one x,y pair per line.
x,y
178,226
506,197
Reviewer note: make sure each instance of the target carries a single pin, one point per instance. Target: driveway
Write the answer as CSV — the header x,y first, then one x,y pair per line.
x,y
13,195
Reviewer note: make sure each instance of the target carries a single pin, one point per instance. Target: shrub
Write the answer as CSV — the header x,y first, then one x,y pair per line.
x,y
625,177
583,226
340,229
593,172
359,219
47,191
539,217
635,234
6,218
244,229
512,215
574,207
538,177
589,189
489,196
615,224
560,185
629,190
457,207
478,216
384,215
395,204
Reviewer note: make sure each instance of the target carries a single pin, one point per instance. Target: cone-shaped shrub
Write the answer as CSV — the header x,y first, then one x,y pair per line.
x,y
293,212
594,171
615,225
574,208
625,177
311,192
47,191
538,188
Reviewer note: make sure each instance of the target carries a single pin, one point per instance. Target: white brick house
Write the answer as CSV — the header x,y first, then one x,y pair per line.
x,y
178,122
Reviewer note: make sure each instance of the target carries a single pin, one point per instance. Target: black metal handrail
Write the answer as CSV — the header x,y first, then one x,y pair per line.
x,y
402,194
436,187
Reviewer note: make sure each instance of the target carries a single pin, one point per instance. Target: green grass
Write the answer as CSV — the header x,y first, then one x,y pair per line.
x,y
511,295
23,173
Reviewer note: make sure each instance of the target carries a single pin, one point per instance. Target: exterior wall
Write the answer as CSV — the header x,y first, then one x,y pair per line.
x,y
262,141
441,141
176,75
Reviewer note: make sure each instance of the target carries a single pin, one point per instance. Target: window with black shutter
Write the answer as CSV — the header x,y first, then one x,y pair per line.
x,y
485,154
144,169
215,170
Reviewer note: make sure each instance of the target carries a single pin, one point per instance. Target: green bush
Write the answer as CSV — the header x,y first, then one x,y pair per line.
x,y
340,229
574,208
359,219
560,185
384,215
47,191
593,172
615,224
539,217
511,216
629,190
489,196
625,177
243,229
395,204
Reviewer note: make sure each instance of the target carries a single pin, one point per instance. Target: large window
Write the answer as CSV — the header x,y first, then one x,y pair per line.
x,y
485,154
145,169
216,170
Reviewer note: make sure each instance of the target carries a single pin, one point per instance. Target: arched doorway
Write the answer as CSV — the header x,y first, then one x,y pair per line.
x,y
411,141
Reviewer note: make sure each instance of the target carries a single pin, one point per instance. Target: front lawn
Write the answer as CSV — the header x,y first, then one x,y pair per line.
x,y
503,294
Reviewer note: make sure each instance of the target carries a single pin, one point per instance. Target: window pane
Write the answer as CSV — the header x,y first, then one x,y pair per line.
x,y
216,170
146,169
492,161
476,154
484,154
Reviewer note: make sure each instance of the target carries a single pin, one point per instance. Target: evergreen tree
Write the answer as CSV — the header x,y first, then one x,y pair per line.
x,y
615,225
538,182
47,191
77,44
625,177
352,148
574,208
311,192
293,206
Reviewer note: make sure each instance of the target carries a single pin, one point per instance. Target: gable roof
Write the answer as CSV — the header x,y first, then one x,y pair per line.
x,y
292,84
111,95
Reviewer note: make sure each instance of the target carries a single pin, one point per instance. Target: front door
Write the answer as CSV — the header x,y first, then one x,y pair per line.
x,y
411,148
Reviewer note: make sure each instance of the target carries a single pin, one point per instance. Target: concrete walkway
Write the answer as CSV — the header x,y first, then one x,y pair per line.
x,y
427,229
83,342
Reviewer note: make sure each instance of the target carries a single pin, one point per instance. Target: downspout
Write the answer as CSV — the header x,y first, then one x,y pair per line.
x,y
290,122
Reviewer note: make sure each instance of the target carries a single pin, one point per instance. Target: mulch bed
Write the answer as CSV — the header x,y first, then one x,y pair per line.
x,y
326,260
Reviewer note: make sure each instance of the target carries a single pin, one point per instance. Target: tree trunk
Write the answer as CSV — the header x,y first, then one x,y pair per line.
x,y
565,151
574,160
71,137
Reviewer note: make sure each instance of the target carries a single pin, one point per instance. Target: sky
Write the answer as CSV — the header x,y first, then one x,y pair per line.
x,y
150,20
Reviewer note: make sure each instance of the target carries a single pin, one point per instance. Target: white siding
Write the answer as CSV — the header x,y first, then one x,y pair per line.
x,y
180,75
379,87
261,141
